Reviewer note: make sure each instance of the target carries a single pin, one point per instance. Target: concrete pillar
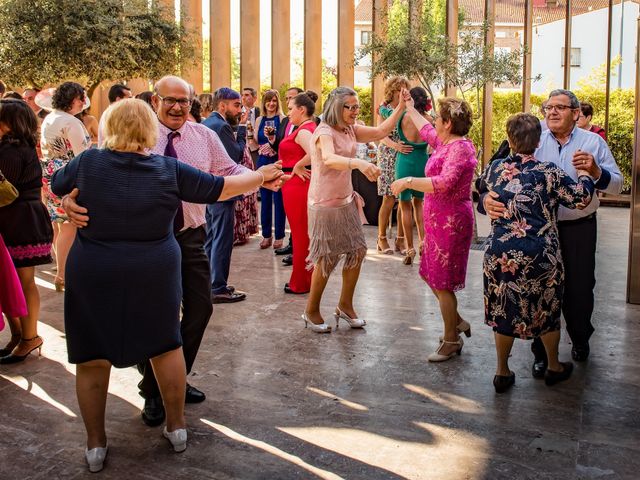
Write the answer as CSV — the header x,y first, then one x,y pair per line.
x,y
313,47
487,94
526,63
191,68
280,43
346,23
250,44
633,268
567,45
220,43
379,20
452,34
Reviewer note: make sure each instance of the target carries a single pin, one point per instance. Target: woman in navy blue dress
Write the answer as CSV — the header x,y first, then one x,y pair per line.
x,y
271,204
123,272
523,270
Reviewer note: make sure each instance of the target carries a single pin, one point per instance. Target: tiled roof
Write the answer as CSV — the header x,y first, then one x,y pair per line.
x,y
507,11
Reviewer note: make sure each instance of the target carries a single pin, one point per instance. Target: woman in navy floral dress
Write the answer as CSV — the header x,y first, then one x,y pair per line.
x,y
523,270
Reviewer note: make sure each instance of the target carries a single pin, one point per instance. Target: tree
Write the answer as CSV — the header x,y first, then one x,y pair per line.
x,y
416,46
48,41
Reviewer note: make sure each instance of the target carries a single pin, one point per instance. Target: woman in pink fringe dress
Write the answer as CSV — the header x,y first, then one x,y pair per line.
x,y
448,213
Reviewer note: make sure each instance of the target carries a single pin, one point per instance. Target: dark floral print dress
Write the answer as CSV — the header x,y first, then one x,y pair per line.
x,y
523,270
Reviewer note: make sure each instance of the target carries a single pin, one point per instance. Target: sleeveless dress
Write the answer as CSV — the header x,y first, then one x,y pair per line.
x,y
295,194
410,164
448,212
386,159
123,277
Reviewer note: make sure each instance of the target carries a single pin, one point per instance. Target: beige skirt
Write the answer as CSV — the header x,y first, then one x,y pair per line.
x,y
334,233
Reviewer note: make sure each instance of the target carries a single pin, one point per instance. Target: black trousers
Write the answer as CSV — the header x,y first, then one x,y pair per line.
x,y
578,245
196,304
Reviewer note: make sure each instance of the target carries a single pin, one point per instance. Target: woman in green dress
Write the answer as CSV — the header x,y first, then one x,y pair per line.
x,y
411,165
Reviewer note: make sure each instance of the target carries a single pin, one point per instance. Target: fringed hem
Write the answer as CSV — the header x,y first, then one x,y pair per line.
x,y
334,233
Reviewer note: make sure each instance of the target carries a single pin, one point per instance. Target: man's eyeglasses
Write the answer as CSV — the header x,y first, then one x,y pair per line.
x,y
557,108
352,108
171,101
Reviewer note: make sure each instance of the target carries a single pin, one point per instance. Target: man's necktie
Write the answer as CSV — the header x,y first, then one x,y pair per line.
x,y
170,151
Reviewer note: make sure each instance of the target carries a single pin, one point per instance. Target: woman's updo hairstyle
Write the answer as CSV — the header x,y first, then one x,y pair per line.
x,y
307,100
421,100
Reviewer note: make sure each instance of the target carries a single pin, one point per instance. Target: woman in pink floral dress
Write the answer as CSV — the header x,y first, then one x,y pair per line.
x,y
448,212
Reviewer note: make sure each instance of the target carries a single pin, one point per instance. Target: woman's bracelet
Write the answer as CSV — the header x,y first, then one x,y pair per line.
x,y
262,175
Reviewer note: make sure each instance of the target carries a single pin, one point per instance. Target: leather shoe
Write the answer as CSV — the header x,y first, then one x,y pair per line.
x,y
551,377
539,368
580,351
153,411
502,383
193,395
286,250
228,297
288,290
288,260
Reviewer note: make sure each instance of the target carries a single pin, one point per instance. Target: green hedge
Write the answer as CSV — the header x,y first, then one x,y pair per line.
x,y
621,119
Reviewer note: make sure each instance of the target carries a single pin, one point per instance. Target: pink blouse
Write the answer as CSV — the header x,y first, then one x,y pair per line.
x,y
330,187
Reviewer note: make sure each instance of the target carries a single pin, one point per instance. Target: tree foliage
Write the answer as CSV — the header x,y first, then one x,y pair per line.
x,y
48,41
416,46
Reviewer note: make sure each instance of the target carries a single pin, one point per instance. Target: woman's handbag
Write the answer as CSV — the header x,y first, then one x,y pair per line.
x,y
8,192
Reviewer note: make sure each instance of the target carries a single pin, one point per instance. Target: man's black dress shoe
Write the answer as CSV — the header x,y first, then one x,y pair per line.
x,y
228,297
286,250
539,368
288,260
551,377
502,383
153,411
194,395
288,290
580,351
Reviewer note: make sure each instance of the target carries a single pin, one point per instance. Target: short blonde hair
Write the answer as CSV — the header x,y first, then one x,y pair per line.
x,y
333,111
393,85
130,125
458,112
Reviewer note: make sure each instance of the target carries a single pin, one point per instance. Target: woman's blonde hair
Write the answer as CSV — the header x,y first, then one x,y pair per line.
x,y
458,112
393,85
333,111
267,97
130,125
206,104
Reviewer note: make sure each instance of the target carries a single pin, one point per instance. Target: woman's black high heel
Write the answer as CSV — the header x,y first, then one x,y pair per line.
x,y
13,358
15,339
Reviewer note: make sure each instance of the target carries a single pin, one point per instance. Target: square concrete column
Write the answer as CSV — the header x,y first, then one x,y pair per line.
x,y
313,47
487,94
452,34
220,43
280,43
191,69
346,41
380,22
250,44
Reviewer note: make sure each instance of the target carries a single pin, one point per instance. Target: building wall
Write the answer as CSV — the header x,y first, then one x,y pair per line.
x,y
589,33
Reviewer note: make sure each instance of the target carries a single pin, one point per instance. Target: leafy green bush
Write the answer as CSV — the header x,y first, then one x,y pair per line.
x,y
621,120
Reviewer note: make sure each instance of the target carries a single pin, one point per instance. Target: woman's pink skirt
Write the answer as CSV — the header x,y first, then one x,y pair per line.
x,y
12,302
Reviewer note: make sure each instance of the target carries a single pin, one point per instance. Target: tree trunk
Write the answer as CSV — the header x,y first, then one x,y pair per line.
x,y
92,87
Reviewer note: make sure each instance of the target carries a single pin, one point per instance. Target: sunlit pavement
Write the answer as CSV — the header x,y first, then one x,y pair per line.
x,y
285,403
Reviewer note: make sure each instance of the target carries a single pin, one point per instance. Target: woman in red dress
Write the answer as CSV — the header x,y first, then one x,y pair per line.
x,y
294,153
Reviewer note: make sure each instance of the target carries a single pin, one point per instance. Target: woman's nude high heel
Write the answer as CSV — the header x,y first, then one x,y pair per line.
x,y
315,327
387,251
353,322
409,256
439,357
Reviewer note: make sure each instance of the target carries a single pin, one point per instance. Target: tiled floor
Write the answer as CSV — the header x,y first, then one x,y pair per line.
x,y
284,403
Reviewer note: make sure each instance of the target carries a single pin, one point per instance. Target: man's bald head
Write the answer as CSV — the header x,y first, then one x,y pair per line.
x,y
171,82
172,100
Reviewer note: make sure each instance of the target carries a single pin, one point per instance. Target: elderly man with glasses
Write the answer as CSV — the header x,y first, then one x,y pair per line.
x,y
201,148
571,148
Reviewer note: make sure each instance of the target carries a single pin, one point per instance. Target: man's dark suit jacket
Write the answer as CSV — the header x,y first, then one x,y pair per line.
x,y
233,144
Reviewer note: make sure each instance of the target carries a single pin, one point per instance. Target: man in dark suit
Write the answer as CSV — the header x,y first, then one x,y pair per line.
x,y
249,98
220,215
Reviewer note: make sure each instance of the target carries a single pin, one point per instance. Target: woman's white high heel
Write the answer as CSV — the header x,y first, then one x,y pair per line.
x,y
95,458
438,357
178,438
315,327
353,322
462,327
